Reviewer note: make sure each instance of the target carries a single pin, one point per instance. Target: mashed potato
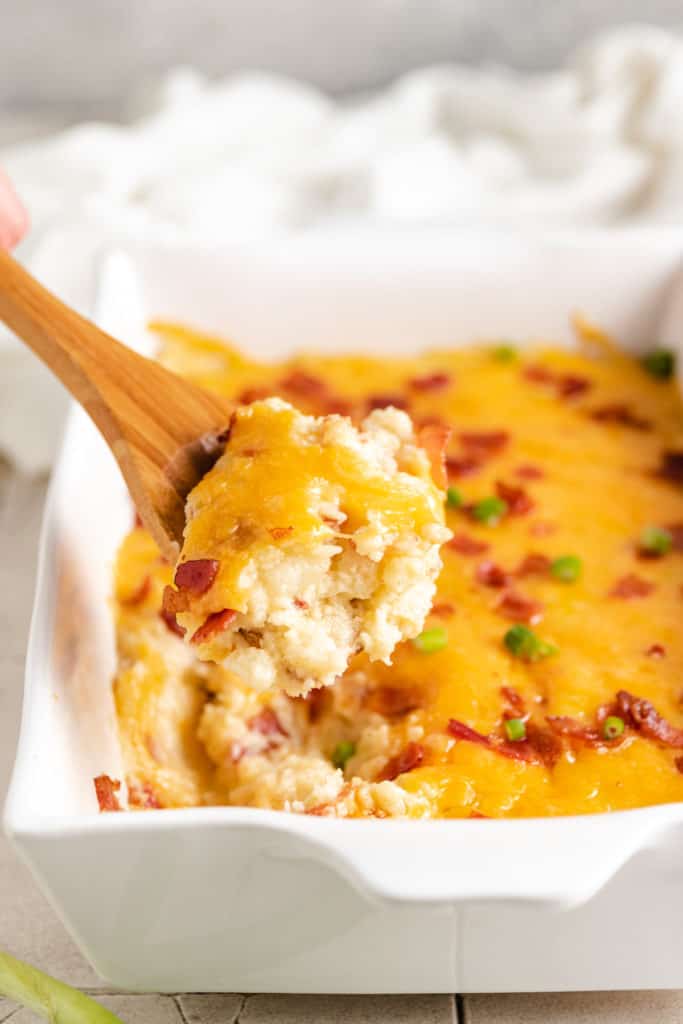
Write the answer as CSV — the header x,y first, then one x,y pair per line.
x,y
309,541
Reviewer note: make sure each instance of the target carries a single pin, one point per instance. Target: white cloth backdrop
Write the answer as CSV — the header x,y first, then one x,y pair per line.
x,y
598,142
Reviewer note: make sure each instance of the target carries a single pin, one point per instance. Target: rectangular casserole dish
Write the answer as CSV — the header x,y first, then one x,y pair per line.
x,y
223,899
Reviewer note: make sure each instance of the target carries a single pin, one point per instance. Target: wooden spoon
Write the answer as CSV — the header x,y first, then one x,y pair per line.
x,y
165,432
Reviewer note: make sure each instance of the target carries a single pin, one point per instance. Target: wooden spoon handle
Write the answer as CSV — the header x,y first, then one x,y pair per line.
x,y
152,419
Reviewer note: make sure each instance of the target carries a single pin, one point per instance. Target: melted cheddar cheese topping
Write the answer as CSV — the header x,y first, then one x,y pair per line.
x,y
549,677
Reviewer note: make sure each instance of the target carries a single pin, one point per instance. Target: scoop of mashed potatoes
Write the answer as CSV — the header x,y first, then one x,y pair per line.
x,y
309,541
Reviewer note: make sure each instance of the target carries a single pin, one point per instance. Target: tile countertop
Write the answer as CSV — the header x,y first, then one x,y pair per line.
x,y
29,928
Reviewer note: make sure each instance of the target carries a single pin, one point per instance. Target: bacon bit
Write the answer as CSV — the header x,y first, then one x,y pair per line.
x,y
533,564
395,701
250,395
519,608
676,531
443,609
529,472
485,443
171,623
631,586
517,500
574,729
143,797
410,757
301,383
212,625
384,401
544,743
621,414
466,545
492,575
459,467
514,701
567,385
279,532
173,601
317,702
430,382
304,605
679,764
196,576
478,814
656,651
266,723
540,750
539,374
459,731
137,521
106,790
139,595
642,716
434,438
671,466
571,386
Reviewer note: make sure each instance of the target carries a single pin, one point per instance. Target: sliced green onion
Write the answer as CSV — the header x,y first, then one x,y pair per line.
x,y
515,729
655,540
504,353
613,727
431,640
342,753
660,364
525,644
454,497
566,568
490,511
48,997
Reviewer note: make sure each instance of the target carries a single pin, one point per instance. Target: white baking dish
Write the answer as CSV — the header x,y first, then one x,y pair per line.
x,y
240,899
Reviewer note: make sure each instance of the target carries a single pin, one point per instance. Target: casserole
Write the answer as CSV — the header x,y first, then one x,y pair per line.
x,y
235,898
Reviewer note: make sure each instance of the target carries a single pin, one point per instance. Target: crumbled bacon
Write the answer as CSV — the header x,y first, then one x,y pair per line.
x,y
106,791
197,575
394,701
250,395
442,609
517,500
519,608
656,651
140,594
434,438
621,414
529,472
143,796
384,401
213,625
430,382
409,758
171,623
574,729
630,587
671,466
533,564
679,763
676,532
483,444
478,814
317,701
266,723
305,384
641,715
280,532
492,575
299,603
570,386
514,701
538,748
458,467
566,385
173,601
466,545
459,731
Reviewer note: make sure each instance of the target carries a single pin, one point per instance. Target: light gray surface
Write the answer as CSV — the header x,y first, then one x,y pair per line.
x,y
30,929
85,57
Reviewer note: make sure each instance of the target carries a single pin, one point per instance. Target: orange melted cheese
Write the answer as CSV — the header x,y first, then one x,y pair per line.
x,y
270,487
593,488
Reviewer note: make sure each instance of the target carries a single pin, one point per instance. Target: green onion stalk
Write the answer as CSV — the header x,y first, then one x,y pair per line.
x,y
49,998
